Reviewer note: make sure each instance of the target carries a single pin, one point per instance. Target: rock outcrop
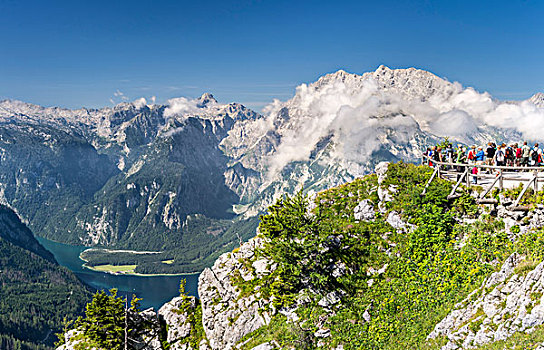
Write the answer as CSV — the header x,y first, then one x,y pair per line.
x,y
227,315
177,321
509,301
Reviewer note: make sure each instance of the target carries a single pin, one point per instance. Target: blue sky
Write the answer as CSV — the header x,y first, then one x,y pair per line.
x,y
83,53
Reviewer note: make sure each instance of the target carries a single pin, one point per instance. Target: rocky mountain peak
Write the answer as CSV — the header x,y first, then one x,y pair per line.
x,y
411,82
206,99
538,99
338,76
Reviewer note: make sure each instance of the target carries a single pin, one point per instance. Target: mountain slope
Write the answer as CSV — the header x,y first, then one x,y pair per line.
x,y
35,292
373,264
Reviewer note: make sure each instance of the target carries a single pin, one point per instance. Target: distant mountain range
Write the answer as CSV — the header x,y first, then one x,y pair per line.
x,y
188,179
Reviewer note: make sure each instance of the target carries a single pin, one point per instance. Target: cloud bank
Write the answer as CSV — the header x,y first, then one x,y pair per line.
x,y
360,116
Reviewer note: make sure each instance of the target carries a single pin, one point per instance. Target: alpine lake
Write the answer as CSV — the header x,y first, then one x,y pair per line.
x,y
154,290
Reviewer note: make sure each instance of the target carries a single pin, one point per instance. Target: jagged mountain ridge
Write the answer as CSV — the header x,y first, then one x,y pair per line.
x,y
159,176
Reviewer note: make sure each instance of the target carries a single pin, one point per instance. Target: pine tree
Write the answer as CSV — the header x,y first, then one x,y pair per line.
x,y
104,321
182,284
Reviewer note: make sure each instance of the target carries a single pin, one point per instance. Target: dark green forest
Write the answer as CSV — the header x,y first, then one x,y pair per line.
x,y
36,293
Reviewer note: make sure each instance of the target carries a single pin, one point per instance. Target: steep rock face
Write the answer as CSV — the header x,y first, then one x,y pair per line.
x,y
179,176
227,315
508,302
413,83
126,175
177,320
47,174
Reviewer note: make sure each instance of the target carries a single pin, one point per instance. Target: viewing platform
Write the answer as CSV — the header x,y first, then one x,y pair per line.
x,y
487,177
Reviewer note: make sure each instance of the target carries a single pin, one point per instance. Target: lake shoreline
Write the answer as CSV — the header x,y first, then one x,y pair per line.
x,y
156,290
116,273
126,273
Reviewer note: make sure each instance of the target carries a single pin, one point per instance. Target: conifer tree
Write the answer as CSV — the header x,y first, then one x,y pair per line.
x,y
104,321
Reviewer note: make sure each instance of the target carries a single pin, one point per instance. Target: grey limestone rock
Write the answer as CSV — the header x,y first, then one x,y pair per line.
x,y
506,303
226,316
176,320
265,346
364,211
381,171
330,299
395,220
70,343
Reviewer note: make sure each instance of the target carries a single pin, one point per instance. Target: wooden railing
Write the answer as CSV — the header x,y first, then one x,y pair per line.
x,y
499,174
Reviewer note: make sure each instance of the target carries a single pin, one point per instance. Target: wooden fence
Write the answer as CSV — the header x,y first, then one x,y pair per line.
x,y
496,175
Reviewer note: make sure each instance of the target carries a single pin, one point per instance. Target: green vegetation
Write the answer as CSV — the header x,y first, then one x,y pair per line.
x,y
425,270
35,293
530,198
525,267
385,288
281,331
9,342
107,322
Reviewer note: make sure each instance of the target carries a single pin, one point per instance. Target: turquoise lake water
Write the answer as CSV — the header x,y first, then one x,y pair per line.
x,y
155,290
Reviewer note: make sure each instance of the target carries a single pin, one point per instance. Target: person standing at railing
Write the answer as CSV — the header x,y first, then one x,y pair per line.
x,y
426,153
519,154
479,157
449,154
472,155
437,155
536,155
525,154
510,155
490,153
430,154
499,157
461,157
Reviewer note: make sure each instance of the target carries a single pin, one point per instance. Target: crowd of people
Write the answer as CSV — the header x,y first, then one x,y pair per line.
x,y
501,155
498,155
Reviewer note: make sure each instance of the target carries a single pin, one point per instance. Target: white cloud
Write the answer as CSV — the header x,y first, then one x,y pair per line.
x,y
139,103
181,106
120,95
454,123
